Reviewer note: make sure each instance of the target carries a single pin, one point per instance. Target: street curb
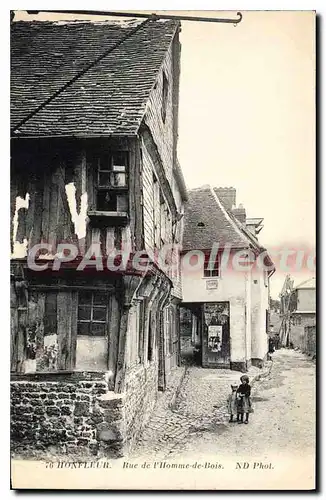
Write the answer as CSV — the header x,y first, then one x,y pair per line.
x,y
176,392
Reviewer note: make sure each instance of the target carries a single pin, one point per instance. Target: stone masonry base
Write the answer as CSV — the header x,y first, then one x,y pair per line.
x,y
81,416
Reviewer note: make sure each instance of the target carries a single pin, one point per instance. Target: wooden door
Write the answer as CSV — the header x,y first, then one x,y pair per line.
x,y
216,335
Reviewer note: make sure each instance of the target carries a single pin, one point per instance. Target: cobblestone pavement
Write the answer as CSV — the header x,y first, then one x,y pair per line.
x,y
196,423
199,406
283,422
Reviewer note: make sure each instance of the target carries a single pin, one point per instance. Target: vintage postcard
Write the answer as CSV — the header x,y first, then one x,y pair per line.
x,y
162,272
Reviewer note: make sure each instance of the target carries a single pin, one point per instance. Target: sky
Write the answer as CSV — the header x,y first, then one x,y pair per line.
x,y
247,118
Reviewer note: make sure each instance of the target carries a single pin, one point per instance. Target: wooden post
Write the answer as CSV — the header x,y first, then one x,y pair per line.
x,y
130,284
63,328
155,286
138,215
113,339
161,340
13,327
72,348
121,368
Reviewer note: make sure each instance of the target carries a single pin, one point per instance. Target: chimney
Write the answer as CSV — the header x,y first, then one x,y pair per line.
x,y
227,196
240,213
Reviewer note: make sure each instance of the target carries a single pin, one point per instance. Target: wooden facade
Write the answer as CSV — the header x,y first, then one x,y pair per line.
x,y
122,193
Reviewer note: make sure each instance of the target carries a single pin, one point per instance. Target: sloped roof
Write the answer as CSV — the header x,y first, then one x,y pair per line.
x,y
109,99
207,222
310,283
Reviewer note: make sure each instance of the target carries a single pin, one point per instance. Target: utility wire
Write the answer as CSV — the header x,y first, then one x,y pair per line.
x,y
81,73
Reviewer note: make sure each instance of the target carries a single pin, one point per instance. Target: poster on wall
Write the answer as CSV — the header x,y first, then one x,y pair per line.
x,y
216,313
215,338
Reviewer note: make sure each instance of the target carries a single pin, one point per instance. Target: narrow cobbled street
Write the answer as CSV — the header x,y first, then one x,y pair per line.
x,y
196,423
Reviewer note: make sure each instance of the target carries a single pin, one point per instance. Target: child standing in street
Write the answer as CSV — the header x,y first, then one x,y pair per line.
x,y
232,402
243,399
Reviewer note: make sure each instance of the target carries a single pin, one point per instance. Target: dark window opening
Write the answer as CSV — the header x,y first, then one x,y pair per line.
x,y
107,201
211,269
165,90
201,224
50,313
93,313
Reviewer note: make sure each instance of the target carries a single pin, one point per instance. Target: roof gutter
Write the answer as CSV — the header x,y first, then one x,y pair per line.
x,y
180,181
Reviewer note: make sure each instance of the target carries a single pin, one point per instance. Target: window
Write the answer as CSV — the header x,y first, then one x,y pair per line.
x,y
165,90
92,313
211,270
112,182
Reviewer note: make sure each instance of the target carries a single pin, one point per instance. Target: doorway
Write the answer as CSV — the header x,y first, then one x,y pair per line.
x,y
216,335
191,334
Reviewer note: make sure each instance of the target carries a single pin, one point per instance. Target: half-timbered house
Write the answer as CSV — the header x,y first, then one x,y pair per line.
x,y
94,116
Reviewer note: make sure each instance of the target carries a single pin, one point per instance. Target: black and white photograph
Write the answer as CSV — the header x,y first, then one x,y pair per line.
x,y
163,240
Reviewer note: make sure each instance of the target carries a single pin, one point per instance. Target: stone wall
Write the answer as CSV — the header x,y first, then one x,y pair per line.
x,y
81,417
60,416
297,332
310,336
140,397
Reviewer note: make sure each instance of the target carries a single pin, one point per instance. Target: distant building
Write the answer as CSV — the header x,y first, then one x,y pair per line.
x,y
298,311
229,307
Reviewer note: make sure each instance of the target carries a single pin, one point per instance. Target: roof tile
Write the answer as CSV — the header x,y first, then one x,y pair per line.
x,y
46,55
207,222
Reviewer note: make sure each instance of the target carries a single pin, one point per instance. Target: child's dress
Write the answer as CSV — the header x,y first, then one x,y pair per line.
x,y
243,400
232,403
